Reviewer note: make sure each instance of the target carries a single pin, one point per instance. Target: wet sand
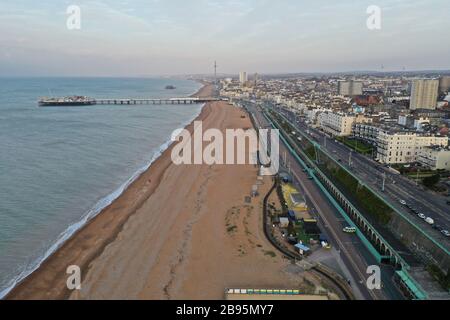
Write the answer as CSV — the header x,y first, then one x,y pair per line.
x,y
178,232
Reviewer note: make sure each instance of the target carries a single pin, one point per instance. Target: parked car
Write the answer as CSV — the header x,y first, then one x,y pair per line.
x,y
422,216
349,230
403,202
445,233
429,220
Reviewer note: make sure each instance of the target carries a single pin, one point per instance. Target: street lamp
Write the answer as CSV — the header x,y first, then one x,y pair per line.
x,y
350,158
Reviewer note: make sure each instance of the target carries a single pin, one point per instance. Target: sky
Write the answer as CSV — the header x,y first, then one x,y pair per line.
x,y
168,37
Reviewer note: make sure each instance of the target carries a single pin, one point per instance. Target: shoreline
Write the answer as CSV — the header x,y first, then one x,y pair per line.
x,y
178,232
90,218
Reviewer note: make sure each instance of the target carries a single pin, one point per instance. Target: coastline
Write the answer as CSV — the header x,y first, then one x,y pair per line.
x,y
81,227
177,232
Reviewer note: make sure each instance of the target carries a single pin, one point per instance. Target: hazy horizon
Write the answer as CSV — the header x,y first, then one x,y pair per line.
x,y
169,38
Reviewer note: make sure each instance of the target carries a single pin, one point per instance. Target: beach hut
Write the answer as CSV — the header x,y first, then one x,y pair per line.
x,y
284,222
291,216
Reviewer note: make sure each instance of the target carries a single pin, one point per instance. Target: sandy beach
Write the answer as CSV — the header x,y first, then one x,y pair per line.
x,y
177,232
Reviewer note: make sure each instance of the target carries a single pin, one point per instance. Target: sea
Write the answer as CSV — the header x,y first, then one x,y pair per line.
x,y
59,166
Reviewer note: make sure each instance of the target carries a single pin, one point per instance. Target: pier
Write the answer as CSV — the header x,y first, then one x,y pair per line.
x,y
154,101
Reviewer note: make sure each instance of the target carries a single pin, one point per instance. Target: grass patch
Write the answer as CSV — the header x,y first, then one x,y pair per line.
x,y
358,146
270,254
300,232
441,277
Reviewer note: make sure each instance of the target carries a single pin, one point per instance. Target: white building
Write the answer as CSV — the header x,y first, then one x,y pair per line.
x,y
243,78
397,147
312,114
424,94
434,158
336,124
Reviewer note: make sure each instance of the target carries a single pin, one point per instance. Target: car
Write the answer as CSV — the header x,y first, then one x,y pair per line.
x,y
349,230
403,202
422,216
429,220
445,233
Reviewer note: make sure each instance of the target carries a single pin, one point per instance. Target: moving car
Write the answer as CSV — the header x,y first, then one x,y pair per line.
x,y
349,230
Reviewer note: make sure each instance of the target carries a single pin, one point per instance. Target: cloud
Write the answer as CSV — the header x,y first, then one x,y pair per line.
x,y
175,36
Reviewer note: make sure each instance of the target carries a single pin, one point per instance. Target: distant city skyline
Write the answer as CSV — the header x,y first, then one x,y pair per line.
x,y
173,37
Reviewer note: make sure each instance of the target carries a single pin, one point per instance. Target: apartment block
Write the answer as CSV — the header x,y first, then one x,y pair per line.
x,y
435,158
336,124
424,94
350,88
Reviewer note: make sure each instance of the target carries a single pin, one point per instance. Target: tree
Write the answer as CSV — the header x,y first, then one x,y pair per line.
x,y
431,181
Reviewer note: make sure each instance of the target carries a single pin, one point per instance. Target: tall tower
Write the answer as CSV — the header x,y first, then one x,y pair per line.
x,y
215,73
